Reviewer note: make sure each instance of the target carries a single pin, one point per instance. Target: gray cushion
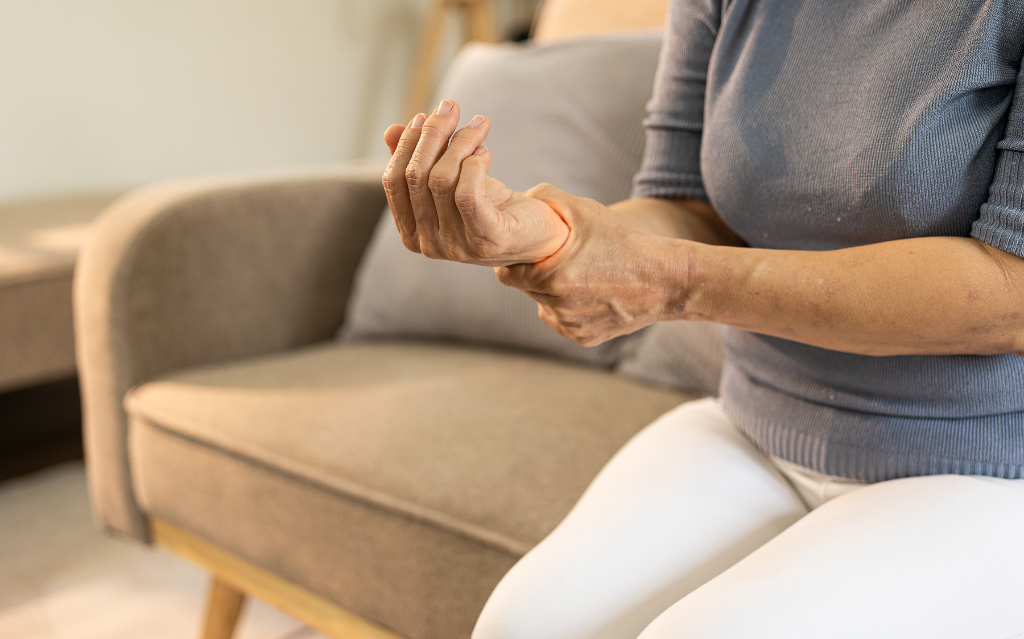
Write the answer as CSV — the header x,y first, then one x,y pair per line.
x,y
568,113
682,356
400,480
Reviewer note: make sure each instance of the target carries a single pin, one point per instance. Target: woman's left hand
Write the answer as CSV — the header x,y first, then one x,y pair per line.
x,y
610,278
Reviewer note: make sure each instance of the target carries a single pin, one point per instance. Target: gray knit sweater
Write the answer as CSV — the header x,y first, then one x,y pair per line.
x,y
825,124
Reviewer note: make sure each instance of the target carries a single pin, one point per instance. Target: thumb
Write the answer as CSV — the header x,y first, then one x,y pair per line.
x,y
562,202
471,196
544,191
393,136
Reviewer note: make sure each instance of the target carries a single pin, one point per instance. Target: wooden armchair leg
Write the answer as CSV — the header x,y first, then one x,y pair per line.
x,y
222,609
478,24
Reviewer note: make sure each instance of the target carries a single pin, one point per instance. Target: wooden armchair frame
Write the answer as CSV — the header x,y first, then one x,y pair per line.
x,y
234,578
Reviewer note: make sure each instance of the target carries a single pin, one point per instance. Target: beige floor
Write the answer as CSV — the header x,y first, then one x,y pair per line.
x,y
60,578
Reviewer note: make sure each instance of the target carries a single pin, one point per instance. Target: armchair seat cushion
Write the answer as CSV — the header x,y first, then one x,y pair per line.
x,y
399,479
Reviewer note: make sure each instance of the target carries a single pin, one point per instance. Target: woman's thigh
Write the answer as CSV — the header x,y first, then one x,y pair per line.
x,y
934,557
681,502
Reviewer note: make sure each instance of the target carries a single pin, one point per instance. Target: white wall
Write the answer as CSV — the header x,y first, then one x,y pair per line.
x,y
113,93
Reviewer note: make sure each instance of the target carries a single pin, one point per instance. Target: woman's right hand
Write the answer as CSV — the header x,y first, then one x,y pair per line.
x,y
447,207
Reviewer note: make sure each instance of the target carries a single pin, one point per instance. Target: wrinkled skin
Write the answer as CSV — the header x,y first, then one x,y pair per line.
x,y
597,272
447,207
590,269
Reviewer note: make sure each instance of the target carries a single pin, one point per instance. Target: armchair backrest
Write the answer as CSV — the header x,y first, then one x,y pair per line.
x,y
562,19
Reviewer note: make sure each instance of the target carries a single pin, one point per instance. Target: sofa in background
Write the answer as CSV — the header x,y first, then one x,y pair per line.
x,y
39,241
39,402
377,486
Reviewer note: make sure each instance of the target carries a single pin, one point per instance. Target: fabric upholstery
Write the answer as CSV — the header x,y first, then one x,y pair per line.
x,y
567,113
187,273
399,479
683,356
40,238
340,548
39,241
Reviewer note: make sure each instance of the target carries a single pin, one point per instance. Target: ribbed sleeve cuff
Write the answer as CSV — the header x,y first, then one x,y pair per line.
x,y
1001,223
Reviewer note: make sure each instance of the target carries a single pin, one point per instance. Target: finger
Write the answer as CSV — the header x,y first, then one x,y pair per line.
x,y
526,278
547,286
472,200
545,191
395,185
510,276
433,142
392,136
547,316
562,202
445,176
521,276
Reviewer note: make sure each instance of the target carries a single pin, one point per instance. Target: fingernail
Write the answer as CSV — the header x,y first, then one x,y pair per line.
x,y
417,121
445,107
476,121
480,150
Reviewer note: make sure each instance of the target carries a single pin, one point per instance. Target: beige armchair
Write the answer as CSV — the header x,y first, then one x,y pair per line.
x,y
333,480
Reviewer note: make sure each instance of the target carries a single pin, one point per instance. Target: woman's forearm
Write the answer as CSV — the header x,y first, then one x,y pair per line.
x,y
621,270
938,295
683,219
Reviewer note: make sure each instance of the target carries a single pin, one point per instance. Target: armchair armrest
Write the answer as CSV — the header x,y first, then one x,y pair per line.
x,y
189,273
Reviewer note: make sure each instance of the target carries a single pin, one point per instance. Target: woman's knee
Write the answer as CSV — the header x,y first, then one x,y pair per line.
x,y
650,529
521,607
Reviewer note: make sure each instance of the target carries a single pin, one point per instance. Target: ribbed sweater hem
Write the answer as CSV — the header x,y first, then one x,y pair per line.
x,y
832,441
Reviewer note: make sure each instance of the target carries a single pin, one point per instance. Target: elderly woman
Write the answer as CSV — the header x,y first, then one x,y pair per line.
x,y
841,184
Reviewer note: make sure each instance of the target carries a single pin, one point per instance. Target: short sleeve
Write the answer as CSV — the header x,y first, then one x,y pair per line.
x,y
675,121
1001,222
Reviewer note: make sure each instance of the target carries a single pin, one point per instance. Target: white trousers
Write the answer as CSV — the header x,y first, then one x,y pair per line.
x,y
690,532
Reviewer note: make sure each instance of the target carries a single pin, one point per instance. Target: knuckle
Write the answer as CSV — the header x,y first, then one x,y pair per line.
x,y
447,242
464,197
431,130
415,177
586,336
573,321
430,249
392,185
555,286
409,239
573,332
440,181
567,281
466,204
513,276
548,318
